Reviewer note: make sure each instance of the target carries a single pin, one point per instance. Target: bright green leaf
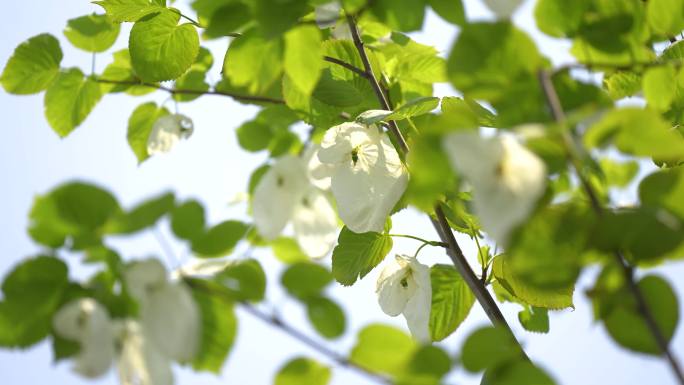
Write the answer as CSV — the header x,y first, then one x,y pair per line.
x,y
33,65
357,254
326,316
241,67
129,10
243,280
306,279
187,220
140,126
451,301
659,87
303,60
300,371
383,349
92,33
489,347
219,240
69,100
143,215
534,319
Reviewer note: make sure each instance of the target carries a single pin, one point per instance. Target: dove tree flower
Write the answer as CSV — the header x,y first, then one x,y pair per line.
x,y
368,177
290,191
507,179
404,287
141,362
167,131
169,315
87,322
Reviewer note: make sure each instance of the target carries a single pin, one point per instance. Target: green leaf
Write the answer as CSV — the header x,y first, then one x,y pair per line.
x,y
33,65
664,189
622,84
406,15
254,136
129,10
431,175
69,100
219,240
449,10
276,17
300,371
560,18
326,316
32,292
143,215
121,71
303,60
243,70
427,367
140,126
219,328
489,347
665,17
413,108
187,220
357,254
195,78
534,319
520,372
160,48
451,301
383,349
287,250
226,20
625,323
474,65
305,279
639,132
556,298
619,174
92,33
243,280
658,87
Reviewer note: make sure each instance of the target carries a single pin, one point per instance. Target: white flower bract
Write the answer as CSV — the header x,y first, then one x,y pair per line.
x,y
167,131
368,178
141,362
404,287
87,322
291,191
507,179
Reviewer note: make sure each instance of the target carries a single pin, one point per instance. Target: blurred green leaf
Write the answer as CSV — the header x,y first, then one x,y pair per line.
x,y
187,220
306,279
243,280
300,371
326,316
219,240
92,33
383,349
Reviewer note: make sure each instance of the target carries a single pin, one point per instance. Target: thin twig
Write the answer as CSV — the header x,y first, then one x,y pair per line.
x,y
425,241
441,225
179,91
331,354
346,65
628,271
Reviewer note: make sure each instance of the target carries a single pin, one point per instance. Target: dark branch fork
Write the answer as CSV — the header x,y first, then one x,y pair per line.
x,y
439,222
627,270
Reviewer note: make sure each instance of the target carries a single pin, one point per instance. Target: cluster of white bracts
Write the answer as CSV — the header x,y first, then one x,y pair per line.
x,y
167,131
168,329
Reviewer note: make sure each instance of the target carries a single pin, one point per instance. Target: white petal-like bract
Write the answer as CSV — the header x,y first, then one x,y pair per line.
x,y
507,179
368,177
504,9
141,362
167,131
87,322
276,195
315,224
404,287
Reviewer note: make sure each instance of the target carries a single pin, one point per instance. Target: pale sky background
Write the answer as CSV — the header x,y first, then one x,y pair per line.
x,y
211,167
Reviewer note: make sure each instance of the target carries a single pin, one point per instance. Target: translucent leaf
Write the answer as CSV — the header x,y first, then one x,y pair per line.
x,y
243,280
489,347
160,48
534,319
287,250
383,349
305,279
451,301
658,86
187,220
326,316
665,17
219,240
243,70
140,126
560,18
405,16
449,10
303,60
129,10
92,33
69,100
301,371
357,254
142,216
33,65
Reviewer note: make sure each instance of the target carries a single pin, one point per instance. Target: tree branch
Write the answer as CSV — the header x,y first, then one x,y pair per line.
x,y
346,65
339,359
440,223
175,91
627,270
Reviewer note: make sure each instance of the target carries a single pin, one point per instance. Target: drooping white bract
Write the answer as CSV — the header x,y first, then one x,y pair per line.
x,y
87,322
168,314
167,131
507,179
368,177
404,287
504,9
290,191
141,362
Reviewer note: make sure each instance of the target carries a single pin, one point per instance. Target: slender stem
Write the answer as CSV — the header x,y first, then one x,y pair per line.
x,y
277,322
441,225
425,241
368,69
174,91
346,65
628,271
620,67
193,21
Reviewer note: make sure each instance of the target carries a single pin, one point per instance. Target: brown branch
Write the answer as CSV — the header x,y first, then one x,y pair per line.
x,y
180,91
627,270
346,65
440,223
336,357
